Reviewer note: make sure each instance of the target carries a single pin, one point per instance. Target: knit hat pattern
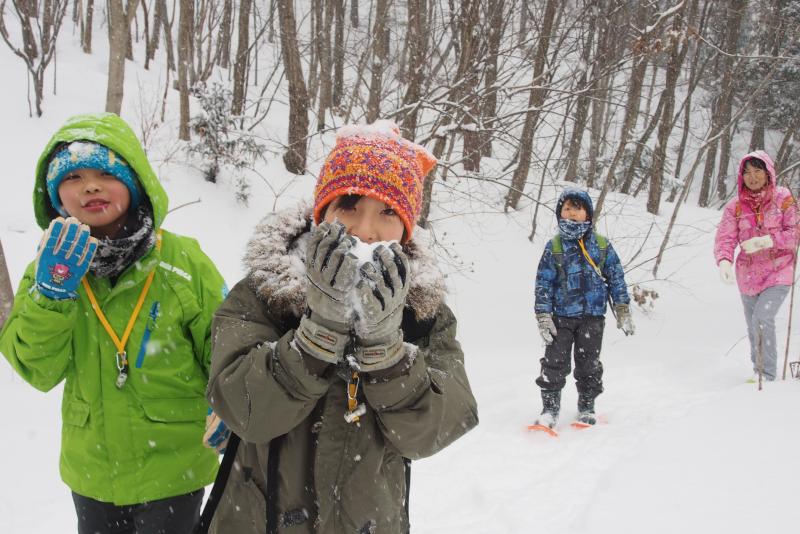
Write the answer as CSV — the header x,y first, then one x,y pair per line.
x,y
88,155
377,162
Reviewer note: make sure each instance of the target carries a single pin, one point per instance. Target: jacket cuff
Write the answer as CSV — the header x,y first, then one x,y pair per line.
x,y
402,390
291,371
51,305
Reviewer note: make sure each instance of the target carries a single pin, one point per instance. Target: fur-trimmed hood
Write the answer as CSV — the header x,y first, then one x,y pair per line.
x,y
276,271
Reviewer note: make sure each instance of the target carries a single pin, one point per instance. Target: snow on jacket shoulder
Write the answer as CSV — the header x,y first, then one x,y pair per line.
x,y
301,465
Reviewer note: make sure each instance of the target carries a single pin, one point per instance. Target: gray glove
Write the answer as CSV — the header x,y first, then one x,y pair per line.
x,y
382,293
547,328
325,326
624,319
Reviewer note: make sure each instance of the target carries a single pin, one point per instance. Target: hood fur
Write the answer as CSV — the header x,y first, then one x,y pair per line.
x,y
275,262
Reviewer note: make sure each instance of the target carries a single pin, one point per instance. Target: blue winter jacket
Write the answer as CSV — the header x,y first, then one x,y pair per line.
x,y
579,292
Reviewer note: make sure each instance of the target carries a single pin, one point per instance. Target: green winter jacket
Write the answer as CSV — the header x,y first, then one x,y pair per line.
x,y
301,468
144,441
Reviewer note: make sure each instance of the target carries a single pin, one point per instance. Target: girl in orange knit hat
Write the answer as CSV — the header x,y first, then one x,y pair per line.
x,y
335,360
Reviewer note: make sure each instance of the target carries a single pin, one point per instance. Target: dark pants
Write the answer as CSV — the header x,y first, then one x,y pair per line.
x,y
586,336
174,515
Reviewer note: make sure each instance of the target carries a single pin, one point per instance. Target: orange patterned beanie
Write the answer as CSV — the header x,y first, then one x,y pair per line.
x,y
375,161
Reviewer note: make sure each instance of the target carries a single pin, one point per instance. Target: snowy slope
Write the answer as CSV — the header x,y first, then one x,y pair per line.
x,y
687,447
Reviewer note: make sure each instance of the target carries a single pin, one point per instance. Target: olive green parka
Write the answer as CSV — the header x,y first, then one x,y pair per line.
x,y
301,468
144,441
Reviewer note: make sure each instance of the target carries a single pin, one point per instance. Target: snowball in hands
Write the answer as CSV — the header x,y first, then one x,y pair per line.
x,y
726,272
754,244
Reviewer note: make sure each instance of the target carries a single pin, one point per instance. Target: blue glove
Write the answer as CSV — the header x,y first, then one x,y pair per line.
x,y
64,256
217,433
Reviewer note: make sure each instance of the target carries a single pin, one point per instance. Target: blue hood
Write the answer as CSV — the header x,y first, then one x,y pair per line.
x,y
580,194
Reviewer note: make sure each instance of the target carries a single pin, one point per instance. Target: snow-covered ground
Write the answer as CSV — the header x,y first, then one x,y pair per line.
x,y
687,445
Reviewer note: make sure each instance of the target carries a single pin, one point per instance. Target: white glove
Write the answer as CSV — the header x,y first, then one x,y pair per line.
x,y
754,244
726,272
547,328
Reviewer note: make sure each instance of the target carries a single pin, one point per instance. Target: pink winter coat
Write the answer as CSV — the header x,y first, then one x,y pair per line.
x,y
769,267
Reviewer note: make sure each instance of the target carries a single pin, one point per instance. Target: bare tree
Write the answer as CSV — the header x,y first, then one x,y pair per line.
x,y
40,26
379,57
295,156
242,58
185,25
535,101
118,49
417,40
225,31
86,33
339,52
722,106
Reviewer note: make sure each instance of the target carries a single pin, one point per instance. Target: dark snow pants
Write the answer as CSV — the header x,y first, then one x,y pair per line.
x,y
585,335
174,515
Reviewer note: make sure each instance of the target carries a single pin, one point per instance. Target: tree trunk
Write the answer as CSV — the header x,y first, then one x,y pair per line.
x,y
379,57
722,104
130,15
86,37
225,32
417,44
117,49
242,55
338,54
468,99
155,36
583,101
6,290
494,39
325,67
185,26
354,13
676,58
535,100
295,156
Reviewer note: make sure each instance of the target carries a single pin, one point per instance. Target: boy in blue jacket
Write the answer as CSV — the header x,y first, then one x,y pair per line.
x,y
577,273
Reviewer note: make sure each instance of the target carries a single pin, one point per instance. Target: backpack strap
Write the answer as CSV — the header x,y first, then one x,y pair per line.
x,y
602,243
218,489
557,249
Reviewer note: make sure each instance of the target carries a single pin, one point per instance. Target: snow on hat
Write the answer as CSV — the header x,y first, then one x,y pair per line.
x,y
88,155
375,161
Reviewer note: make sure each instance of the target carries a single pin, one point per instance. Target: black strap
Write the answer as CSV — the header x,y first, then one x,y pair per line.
x,y
407,464
219,486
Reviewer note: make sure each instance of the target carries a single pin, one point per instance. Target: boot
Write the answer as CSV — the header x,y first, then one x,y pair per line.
x,y
586,410
551,405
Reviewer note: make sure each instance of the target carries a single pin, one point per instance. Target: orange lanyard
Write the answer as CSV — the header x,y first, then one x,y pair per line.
x,y
122,355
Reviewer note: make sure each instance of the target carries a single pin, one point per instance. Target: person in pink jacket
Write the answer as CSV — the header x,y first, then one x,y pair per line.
x,y
762,219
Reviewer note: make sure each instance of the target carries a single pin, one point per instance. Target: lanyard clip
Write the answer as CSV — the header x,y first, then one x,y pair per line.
x,y
355,410
122,366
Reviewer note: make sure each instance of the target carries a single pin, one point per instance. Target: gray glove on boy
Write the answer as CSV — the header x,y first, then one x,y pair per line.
x,y
624,319
382,293
547,328
325,326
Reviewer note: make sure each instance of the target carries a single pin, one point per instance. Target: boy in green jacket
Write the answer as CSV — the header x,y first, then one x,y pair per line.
x,y
121,310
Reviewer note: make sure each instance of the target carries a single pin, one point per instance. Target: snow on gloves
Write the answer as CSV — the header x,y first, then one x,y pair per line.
x,y
754,244
324,328
348,303
624,319
64,256
726,272
381,294
547,328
